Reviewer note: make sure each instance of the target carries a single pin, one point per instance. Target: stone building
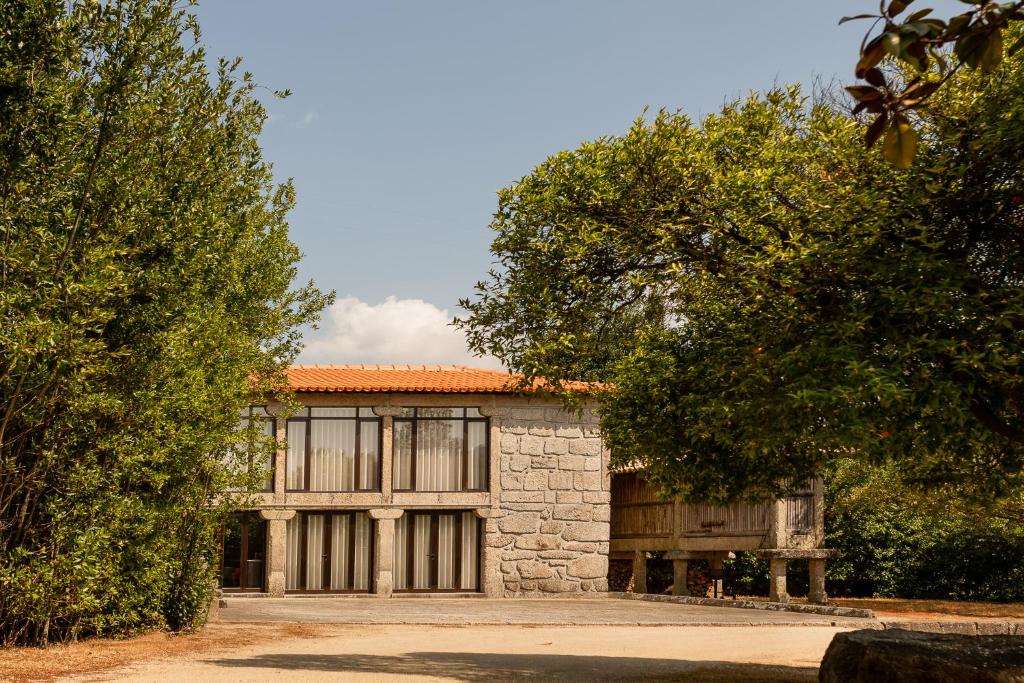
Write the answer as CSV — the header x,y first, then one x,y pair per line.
x,y
424,479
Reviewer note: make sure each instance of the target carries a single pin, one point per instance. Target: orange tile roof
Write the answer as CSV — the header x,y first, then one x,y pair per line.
x,y
449,379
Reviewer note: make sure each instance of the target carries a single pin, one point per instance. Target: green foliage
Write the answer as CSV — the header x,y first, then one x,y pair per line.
x,y
895,542
915,40
146,295
767,296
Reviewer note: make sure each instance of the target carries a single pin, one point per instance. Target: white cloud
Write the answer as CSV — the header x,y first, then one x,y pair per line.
x,y
394,331
309,118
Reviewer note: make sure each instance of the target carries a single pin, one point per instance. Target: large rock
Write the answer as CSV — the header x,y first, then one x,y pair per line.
x,y
898,656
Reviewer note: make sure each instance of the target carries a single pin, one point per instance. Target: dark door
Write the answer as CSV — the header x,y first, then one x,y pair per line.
x,y
243,558
437,552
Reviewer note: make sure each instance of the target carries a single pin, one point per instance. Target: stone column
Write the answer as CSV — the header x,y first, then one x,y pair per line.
x,y
816,594
492,581
639,571
387,428
777,586
276,549
384,550
679,572
715,564
278,461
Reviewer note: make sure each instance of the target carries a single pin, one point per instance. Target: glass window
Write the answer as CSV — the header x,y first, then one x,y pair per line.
x,y
332,412
402,461
476,472
259,453
440,449
333,449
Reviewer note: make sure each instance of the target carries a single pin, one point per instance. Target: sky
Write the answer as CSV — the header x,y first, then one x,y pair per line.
x,y
407,117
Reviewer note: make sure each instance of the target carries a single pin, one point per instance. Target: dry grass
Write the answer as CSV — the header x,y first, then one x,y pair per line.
x,y
927,610
935,609
100,654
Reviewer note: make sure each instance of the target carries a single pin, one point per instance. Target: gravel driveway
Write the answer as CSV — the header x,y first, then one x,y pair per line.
x,y
603,611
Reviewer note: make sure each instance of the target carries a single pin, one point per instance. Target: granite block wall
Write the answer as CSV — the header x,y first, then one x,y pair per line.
x,y
551,532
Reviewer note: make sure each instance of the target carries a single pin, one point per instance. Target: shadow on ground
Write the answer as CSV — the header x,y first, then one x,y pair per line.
x,y
468,666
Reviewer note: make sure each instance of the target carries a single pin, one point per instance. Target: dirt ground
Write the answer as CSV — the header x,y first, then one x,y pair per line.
x,y
249,651
102,654
489,653
935,610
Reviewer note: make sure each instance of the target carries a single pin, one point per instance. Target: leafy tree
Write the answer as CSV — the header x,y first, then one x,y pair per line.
x,y
916,41
145,294
893,541
767,296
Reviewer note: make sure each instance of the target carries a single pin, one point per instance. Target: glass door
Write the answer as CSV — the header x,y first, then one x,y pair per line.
x,y
243,556
329,552
437,552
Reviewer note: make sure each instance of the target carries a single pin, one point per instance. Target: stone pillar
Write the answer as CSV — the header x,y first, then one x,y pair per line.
x,y
492,581
387,413
777,579
679,572
276,550
715,564
816,594
639,571
384,550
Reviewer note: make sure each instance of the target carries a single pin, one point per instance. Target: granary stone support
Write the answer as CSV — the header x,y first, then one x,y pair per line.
x,y
816,594
640,572
680,569
777,580
815,558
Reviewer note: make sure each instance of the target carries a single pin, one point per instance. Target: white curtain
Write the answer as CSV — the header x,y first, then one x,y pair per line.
x,y
421,552
401,550
439,455
332,459
445,551
402,456
314,552
293,546
477,446
470,552
339,553
364,542
296,461
369,453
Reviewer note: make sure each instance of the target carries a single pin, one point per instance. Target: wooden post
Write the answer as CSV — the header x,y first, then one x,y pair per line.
x,y
679,573
639,571
777,533
817,594
777,586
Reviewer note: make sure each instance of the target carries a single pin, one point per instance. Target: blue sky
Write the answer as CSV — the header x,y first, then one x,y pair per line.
x,y
407,117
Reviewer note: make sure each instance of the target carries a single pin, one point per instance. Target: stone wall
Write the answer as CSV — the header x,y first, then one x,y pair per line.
x,y
550,533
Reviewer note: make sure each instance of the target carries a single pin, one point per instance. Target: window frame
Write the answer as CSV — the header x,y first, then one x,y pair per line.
x,y
350,520
415,419
306,417
458,552
245,518
267,417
